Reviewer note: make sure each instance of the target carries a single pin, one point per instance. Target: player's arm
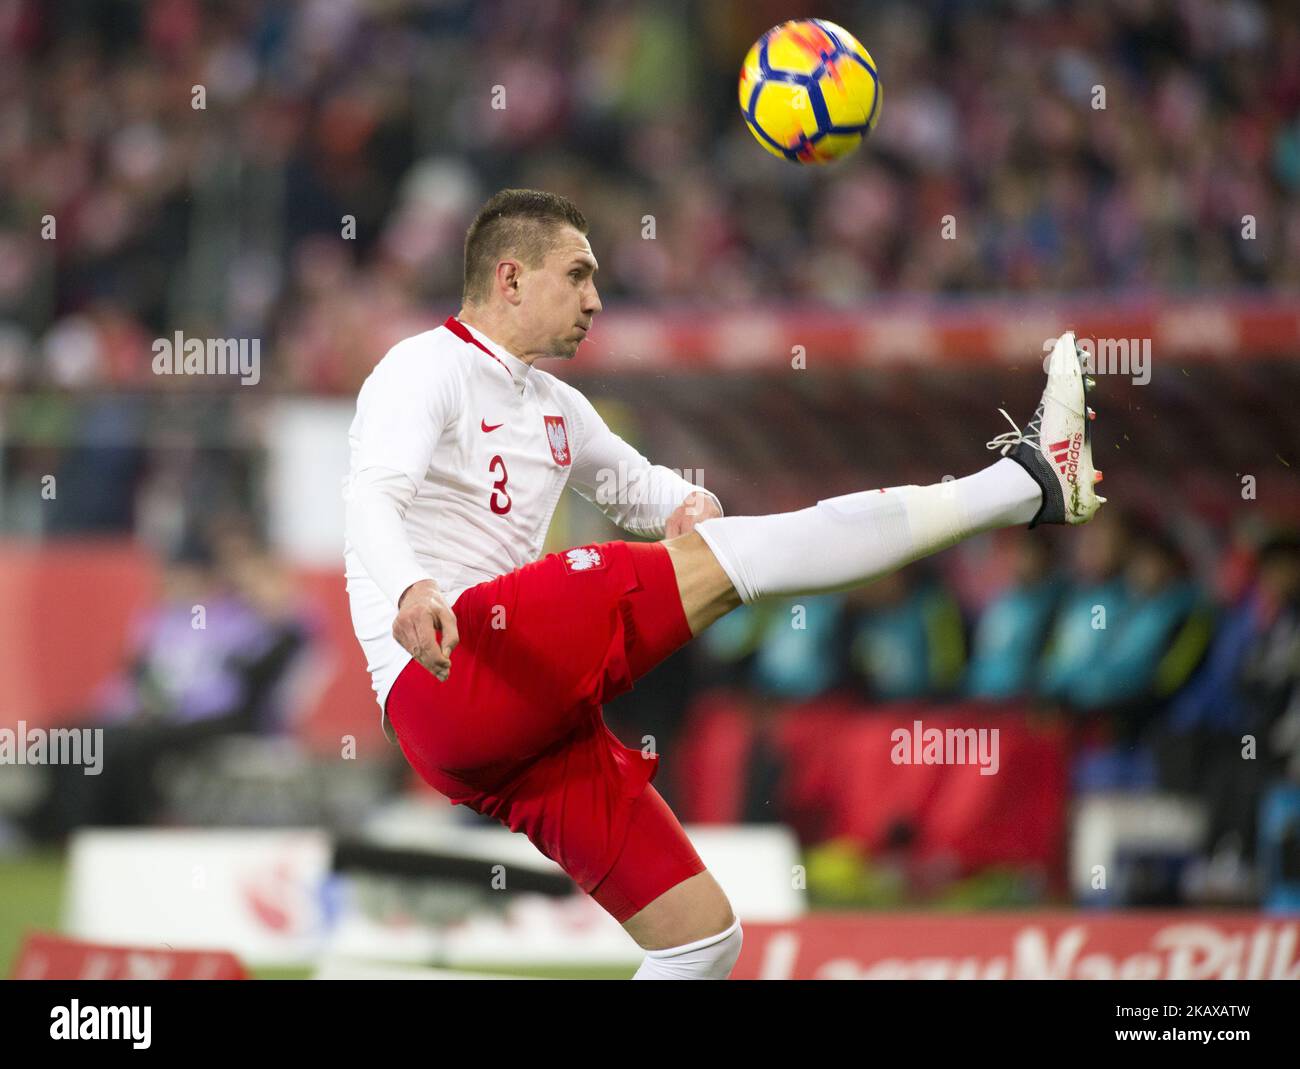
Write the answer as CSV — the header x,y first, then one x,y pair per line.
x,y
409,399
642,498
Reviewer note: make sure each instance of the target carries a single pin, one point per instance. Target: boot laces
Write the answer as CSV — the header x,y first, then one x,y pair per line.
x,y
1007,440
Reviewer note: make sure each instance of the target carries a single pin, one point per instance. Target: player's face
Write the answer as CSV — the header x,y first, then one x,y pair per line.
x,y
560,298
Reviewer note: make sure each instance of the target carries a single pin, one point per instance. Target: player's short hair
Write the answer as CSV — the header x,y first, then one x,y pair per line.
x,y
515,222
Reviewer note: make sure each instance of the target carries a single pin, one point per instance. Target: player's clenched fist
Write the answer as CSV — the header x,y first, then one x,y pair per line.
x,y
696,508
421,612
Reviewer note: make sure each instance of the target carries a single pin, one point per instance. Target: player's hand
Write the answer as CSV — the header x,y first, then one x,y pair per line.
x,y
421,612
695,508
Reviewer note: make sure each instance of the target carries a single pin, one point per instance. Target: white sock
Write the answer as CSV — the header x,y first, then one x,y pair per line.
x,y
710,958
848,541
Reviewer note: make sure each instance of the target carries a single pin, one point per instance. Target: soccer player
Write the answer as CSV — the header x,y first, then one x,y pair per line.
x,y
490,665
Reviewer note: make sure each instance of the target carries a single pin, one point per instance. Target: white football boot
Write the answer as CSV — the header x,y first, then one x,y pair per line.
x,y
1056,446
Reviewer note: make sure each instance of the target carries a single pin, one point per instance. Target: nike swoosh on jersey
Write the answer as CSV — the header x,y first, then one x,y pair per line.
x,y
484,425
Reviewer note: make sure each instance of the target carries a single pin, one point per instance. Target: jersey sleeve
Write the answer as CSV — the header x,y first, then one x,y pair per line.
x,y
376,501
636,495
409,399
412,395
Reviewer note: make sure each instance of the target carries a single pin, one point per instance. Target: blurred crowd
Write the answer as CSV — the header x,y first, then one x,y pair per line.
x,y
303,173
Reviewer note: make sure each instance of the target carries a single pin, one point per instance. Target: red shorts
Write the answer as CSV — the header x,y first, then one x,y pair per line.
x,y
517,733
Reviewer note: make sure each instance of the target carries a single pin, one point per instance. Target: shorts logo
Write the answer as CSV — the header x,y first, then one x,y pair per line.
x,y
583,559
557,436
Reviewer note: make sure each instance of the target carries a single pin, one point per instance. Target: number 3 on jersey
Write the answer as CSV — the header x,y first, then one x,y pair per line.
x,y
499,487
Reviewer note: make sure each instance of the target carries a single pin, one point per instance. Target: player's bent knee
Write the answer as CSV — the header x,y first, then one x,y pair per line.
x,y
694,909
711,958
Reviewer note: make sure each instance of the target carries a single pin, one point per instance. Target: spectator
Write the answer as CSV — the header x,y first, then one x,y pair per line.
x,y
907,637
1012,630
206,663
1089,609
1232,731
1156,641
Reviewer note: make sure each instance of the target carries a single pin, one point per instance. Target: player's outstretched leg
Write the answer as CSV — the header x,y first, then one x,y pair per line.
x,y
1046,476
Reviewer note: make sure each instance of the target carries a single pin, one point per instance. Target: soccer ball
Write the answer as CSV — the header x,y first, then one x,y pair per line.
x,y
809,91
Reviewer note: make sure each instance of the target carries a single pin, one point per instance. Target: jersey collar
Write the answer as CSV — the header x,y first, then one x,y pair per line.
x,y
518,370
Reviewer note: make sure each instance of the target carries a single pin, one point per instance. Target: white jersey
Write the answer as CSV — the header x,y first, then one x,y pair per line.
x,y
459,454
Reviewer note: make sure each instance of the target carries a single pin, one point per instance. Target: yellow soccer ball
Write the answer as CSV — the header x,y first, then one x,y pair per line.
x,y
809,91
